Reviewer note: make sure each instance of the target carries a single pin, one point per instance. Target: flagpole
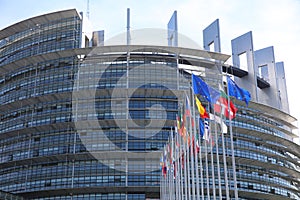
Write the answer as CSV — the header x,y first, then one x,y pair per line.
x,y
217,155
232,150
175,164
181,170
184,154
225,166
210,138
172,166
196,157
161,179
212,163
201,166
188,167
192,145
180,166
206,165
178,180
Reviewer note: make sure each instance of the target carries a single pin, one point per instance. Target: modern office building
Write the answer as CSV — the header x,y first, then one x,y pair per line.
x,y
84,120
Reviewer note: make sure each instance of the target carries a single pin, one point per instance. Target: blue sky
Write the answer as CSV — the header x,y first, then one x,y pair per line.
x,y
273,23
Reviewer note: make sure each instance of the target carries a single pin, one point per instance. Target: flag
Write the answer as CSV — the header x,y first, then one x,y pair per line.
x,y
201,128
170,153
201,109
221,106
206,135
197,143
174,170
188,110
181,125
164,168
219,121
187,107
200,87
237,92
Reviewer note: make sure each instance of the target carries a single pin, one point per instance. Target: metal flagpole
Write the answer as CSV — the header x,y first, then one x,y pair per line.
x,y
188,166
206,161
161,179
201,166
173,167
163,175
210,137
192,151
217,155
224,156
187,157
178,195
167,173
232,150
185,171
196,157
212,165
225,167
180,184
181,171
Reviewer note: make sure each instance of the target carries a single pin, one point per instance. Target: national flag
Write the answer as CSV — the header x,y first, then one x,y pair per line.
x,y
164,163
170,154
197,143
195,146
188,110
174,170
237,92
206,135
219,121
200,87
201,128
187,107
201,109
164,170
182,160
178,120
180,125
221,106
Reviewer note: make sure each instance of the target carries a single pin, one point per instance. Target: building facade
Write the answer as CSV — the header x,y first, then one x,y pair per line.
x,y
80,120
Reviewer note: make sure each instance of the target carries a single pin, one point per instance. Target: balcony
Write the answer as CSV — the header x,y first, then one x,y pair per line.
x,y
234,71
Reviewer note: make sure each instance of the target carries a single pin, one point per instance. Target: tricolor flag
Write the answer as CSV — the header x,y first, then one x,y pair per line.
x,y
201,109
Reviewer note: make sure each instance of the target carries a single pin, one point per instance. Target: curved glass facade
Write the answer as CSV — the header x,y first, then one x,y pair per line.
x,y
91,123
267,160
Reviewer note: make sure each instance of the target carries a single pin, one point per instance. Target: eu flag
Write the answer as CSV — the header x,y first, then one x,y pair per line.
x,y
237,92
200,87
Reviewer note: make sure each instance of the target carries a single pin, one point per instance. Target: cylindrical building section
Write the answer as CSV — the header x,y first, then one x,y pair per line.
x,y
90,123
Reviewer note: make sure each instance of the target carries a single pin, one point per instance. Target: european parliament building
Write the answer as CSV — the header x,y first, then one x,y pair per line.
x,y
84,119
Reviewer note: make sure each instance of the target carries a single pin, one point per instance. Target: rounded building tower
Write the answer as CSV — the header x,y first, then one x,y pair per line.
x,y
80,122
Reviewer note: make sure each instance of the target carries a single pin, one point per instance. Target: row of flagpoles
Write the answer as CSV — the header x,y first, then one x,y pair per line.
x,y
188,159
